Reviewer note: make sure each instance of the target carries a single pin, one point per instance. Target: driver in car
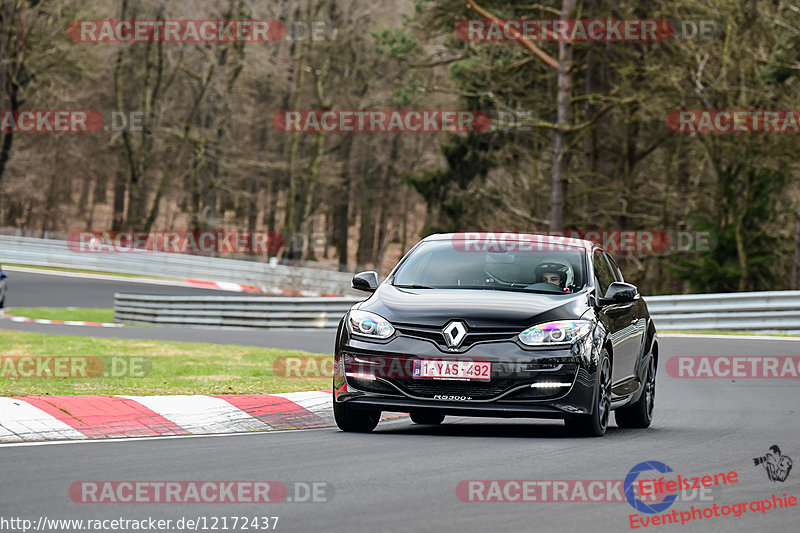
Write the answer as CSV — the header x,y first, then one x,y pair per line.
x,y
552,272
552,277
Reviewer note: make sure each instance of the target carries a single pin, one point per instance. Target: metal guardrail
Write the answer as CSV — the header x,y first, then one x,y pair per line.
x,y
754,311
767,311
46,252
231,311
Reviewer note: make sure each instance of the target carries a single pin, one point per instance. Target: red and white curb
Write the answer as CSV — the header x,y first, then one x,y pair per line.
x,y
60,322
222,285
32,418
290,292
237,287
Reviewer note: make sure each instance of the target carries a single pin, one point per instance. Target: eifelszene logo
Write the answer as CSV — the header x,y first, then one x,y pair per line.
x,y
630,484
669,490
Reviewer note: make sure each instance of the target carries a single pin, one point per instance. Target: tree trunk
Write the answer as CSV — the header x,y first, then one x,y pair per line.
x,y
628,160
304,222
366,227
739,230
8,137
8,82
796,259
341,214
387,200
558,193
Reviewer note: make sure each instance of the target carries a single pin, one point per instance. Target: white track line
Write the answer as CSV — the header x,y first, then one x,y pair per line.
x,y
156,437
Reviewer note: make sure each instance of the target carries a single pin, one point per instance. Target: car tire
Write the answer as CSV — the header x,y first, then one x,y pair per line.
x,y
640,413
354,420
595,424
430,418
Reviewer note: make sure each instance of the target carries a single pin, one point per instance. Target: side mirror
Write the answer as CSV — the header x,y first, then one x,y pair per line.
x,y
619,293
3,275
366,281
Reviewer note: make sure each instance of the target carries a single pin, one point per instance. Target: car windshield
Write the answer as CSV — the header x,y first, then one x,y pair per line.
x,y
446,265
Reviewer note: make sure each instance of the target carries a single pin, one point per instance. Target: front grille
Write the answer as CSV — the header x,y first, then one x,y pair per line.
x,y
474,335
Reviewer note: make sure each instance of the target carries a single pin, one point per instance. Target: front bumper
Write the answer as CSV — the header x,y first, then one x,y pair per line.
x,y
534,383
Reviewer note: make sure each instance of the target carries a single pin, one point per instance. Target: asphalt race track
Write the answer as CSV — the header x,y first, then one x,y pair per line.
x,y
51,290
316,341
403,477
27,289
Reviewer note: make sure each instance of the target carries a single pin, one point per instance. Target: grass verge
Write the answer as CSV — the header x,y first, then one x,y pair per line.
x,y
65,313
169,367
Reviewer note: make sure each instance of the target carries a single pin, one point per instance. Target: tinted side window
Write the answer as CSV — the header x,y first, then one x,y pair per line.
x,y
602,272
614,268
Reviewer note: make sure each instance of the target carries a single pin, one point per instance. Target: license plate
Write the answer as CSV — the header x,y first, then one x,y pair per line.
x,y
465,370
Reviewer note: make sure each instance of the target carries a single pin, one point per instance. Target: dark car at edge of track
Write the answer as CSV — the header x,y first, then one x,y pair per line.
x,y
536,327
2,287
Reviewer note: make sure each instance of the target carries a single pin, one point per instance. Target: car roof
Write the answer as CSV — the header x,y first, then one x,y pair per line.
x,y
531,237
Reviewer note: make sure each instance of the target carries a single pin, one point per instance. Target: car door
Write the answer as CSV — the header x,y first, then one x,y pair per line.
x,y
622,324
639,309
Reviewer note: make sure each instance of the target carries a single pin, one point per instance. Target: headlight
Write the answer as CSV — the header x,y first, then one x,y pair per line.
x,y
559,332
369,324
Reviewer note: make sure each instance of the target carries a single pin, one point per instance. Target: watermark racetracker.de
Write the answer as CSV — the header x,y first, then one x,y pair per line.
x,y
191,242
734,121
565,30
70,121
650,495
732,366
194,242
174,31
197,31
560,490
200,492
74,367
586,30
625,241
50,121
381,121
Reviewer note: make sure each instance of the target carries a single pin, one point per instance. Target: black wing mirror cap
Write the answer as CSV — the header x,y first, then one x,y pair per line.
x,y
619,293
366,281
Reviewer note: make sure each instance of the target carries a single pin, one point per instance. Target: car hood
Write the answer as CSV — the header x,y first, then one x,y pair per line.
x,y
478,308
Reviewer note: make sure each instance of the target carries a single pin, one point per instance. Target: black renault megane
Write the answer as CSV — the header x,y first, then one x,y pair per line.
x,y
498,325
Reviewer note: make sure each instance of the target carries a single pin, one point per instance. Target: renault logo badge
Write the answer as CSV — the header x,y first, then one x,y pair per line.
x,y
454,333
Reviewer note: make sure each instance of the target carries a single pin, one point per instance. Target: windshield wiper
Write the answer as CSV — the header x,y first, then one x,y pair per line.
x,y
413,286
